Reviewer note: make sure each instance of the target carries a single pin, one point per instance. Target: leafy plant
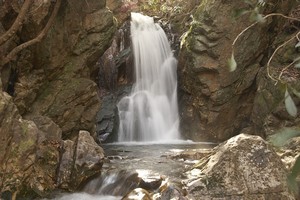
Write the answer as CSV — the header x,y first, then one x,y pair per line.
x,y
279,139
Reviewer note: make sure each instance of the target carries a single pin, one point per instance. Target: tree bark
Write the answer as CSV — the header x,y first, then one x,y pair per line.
x,y
37,39
18,22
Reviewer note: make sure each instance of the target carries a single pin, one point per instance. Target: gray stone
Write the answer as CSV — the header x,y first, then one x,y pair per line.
x,y
244,167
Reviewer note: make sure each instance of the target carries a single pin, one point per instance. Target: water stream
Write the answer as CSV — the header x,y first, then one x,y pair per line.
x,y
150,113
149,124
128,163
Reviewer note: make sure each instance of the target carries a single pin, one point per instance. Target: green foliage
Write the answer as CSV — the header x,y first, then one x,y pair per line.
x,y
297,45
289,104
296,92
297,60
163,8
232,63
253,8
281,138
292,182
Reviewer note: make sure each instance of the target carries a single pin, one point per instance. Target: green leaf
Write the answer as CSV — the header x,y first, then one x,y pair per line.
x,y
256,16
261,3
292,183
283,135
250,3
297,65
232,63
289,104
239,12
259,18
296,92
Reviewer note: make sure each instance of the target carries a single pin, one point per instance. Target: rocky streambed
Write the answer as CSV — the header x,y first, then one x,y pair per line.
x,y
145,168
244,167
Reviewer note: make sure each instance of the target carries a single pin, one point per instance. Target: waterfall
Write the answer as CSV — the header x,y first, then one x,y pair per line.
x,y
150,112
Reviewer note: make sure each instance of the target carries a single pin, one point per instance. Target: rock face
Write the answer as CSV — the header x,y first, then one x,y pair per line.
x,y
215,103
114,81
244,167
72,104
54,76
33,152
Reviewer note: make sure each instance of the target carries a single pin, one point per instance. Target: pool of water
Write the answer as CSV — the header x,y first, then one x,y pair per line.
x,y
152,157
149,161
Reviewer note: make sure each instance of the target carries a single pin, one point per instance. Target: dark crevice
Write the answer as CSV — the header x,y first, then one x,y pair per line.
x,y
13,77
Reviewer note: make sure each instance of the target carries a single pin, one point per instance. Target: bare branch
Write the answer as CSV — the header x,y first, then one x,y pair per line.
x,y
282,45
18,22
265,17
42,34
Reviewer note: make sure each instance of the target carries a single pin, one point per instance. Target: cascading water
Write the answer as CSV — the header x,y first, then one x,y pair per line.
x,y
150,113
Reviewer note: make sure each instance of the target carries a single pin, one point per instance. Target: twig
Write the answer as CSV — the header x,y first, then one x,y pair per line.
x,y
269,61
18,22
42,34
285,68
273,54
279,47
265,17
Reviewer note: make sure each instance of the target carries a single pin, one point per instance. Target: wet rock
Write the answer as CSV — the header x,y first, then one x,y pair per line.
x,y
191,154
172,192
244,167
89,157
117,183
80,160
138,194
107,117
115,66
150,185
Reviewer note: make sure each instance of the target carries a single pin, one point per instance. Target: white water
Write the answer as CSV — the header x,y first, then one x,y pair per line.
x,y
150,113
85,196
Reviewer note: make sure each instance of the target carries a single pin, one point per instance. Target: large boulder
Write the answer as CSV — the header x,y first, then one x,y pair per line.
x,y
244,167
80,160
209,93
